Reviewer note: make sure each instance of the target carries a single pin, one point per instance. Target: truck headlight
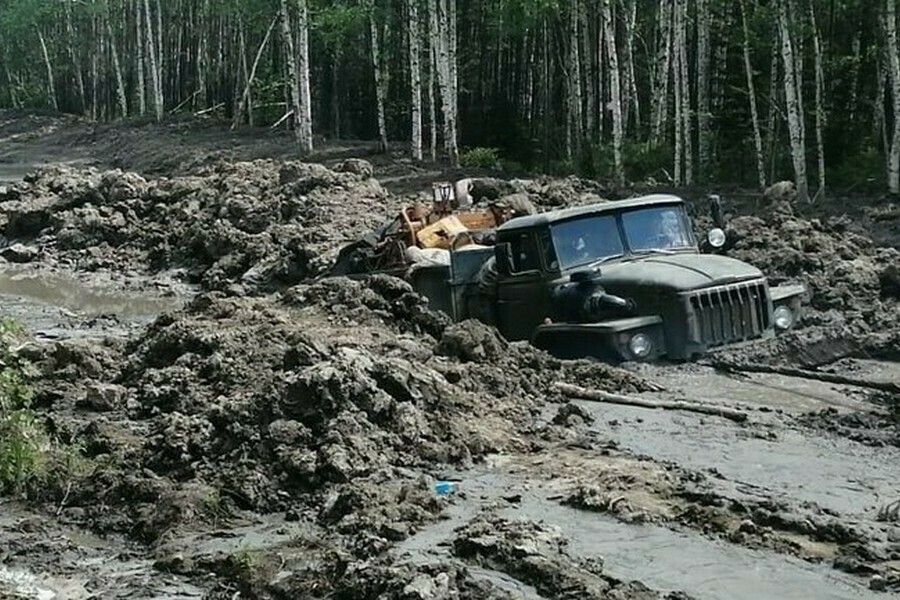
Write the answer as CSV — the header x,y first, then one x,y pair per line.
x,y
716,237
784,317
640,345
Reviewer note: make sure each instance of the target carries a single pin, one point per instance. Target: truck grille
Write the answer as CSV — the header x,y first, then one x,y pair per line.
x,y
731,313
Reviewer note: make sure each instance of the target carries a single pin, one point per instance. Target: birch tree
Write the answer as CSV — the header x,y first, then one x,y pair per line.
x,y
890,30
614,89
820,100
751,97
415,76
304,121
703,113
794,110
378,70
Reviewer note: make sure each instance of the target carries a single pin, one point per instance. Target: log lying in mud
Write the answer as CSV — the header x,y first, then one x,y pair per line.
x,y
574,391
884,386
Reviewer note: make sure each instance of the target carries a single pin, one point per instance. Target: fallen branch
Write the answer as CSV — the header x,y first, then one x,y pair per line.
x,y
574,391
884,386
286,116
200,113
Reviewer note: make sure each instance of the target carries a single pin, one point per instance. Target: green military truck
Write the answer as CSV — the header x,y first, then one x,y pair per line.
x,y
619,281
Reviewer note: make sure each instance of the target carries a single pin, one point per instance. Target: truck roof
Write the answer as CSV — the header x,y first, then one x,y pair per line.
x,y
563,214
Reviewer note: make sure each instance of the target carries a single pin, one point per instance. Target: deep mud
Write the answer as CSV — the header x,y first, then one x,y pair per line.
x,y
243,429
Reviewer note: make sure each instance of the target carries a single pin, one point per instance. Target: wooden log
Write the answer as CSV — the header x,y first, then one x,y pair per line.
x,y
884,386
574,391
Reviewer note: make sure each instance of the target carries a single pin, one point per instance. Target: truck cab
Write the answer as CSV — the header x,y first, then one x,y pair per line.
x,y
623,280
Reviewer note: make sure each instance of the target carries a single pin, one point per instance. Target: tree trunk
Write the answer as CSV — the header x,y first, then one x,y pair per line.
x,y
293,78
633,103
415,76
379,79
575,130
245,97
686,111
703,110
305,120
202,54
73,55
751,94
890,29
141,67
432,79
154,66
51,86
590,73
772,121
794,110
441,25
117,68
820,101
614,89
660,106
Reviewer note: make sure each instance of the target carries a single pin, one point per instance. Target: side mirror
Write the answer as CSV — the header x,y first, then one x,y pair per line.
x,y
503,255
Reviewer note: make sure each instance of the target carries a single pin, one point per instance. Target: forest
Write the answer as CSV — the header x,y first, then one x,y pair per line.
x,y
677,92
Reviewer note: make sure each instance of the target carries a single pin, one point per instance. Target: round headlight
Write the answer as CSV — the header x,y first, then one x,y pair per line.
x,y
784,317
716,237
640,345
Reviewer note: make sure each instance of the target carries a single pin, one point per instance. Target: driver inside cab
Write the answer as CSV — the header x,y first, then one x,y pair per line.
x,y
670,231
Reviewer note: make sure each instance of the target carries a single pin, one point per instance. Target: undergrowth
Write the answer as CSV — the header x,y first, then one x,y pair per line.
x,y
29,455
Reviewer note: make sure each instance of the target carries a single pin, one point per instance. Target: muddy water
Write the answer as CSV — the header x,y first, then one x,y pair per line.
x,y
11,173
661,558
54,305
775,461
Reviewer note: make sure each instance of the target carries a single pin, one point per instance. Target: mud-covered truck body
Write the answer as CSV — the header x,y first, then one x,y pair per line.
x,y
620,280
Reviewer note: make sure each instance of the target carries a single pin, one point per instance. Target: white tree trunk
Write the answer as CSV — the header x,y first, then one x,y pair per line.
x,y
245,97
588,71
379,78
820,101
415,76
703,109
441,25
293,78
751,94
794,110
117,67
305,117
202,52
73,55
686,111
890,29
432,80
140,74
634,102
660,107
51,85
575,131
614,89
154,67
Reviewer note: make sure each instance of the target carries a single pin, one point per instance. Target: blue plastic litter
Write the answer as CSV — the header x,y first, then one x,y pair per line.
x,y
445,487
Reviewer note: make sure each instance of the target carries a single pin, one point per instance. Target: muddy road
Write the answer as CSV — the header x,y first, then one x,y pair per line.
x,y
236,428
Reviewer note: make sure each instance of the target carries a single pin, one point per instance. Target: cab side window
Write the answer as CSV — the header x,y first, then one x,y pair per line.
x,y
525,256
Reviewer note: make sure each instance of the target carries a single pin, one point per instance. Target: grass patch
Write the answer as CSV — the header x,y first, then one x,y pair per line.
x,y
29,456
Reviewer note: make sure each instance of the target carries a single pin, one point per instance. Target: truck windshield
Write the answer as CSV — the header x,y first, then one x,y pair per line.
x,y
657,228
586,240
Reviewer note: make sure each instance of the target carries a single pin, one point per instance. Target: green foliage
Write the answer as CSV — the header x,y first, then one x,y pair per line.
x,y
480,158
23,441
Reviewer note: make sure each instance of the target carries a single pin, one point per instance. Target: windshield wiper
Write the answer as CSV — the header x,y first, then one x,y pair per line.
x,y
654,251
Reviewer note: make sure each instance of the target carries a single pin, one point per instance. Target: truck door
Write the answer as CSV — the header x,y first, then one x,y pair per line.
x,y
521,295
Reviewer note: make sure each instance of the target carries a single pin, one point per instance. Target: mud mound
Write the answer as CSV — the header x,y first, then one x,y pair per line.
x,y
331,402
249,225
